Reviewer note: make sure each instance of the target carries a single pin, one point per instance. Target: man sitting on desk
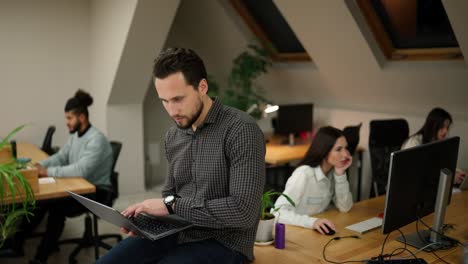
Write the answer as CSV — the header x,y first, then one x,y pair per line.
x,y
88,154
216,173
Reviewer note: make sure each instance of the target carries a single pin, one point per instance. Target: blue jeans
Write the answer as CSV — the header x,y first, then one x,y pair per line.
x,y
136,250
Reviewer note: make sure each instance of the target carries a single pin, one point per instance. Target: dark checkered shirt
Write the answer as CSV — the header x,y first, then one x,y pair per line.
x,y
218,172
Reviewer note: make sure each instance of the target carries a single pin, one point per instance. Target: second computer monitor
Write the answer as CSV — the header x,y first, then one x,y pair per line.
x,y
294,118
414,185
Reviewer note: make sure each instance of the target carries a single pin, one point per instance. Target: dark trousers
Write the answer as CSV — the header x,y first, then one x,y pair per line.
x,y
166,250
58,211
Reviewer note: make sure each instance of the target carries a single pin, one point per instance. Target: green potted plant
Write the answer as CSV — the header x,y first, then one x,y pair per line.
x,y
13,185
243,92
267,218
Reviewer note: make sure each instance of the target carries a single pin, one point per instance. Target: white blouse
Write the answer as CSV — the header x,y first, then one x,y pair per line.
x,y
312,193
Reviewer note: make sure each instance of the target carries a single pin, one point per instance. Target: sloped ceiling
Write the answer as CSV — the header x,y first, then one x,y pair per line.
x,y
146,37
356,76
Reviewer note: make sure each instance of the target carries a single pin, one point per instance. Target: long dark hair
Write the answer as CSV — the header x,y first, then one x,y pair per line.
x,y
434,121
322,144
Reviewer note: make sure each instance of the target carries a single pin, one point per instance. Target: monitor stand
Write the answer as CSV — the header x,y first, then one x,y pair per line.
x,y
426,237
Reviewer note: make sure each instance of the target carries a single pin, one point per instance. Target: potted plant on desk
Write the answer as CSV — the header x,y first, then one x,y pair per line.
x,y
13,185
267,218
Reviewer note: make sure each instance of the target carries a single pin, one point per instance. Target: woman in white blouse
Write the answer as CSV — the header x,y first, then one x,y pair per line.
x,y
320,179
436,127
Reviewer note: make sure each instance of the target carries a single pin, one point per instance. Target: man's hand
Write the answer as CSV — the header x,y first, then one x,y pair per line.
x,y
341,169
151,206
320,224
459,176
41,170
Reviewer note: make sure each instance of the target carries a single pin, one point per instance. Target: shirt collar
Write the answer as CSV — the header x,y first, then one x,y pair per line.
x,y
210,117
319,173
84,132
213,113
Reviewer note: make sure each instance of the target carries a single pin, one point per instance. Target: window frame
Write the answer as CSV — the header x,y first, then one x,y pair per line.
x,y
263,37
392,53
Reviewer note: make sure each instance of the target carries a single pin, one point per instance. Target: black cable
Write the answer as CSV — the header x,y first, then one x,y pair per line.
x,y
406,245
340,262
382,256
403,250
439,257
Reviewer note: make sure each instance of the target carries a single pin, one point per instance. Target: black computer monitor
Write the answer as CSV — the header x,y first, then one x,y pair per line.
x,y
419,183
294,118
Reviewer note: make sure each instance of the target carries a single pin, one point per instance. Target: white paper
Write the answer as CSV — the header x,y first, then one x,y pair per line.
x,y
46,180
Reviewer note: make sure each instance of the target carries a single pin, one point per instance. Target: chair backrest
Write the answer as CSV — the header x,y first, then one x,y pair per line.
x,y
116,148
352,136
47,143
385,137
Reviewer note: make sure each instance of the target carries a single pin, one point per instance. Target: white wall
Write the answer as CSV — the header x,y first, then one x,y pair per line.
x,y
110,23
52,48
156,123
44,58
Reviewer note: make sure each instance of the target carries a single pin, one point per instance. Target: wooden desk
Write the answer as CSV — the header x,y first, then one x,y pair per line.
x,y
58,189
280,154
27,150
306,246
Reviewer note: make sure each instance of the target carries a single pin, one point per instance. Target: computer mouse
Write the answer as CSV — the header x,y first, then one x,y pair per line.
x,y
330,232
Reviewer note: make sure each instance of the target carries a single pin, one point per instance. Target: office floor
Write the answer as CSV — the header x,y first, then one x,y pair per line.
x,y
74,228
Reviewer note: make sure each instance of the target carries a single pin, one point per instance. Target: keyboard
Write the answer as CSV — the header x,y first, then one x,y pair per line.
x,y
151,225
398,261
366,225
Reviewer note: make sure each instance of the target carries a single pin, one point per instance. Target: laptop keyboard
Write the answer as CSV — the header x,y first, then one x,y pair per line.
x,y
151,225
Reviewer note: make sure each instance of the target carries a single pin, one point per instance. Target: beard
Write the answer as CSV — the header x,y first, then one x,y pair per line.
x,y
76,127
192,118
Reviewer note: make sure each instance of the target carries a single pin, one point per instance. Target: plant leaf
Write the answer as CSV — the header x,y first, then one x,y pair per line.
x,y
12,133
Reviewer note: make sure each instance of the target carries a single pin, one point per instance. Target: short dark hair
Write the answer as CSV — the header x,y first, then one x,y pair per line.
x,y
79,103
322,144
173,60
434,121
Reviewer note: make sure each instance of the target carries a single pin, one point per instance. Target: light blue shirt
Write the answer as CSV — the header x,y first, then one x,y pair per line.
x,y
89,156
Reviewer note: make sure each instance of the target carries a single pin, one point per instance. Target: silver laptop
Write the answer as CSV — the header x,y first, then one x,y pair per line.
x,y
147,226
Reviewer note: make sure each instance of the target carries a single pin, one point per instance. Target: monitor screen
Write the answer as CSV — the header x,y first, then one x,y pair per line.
x,y
294,118
413,181
414,185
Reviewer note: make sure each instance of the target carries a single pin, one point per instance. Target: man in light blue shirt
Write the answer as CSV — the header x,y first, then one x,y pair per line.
x,y
87,154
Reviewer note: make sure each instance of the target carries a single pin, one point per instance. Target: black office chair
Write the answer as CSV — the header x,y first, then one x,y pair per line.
x,y
91,237
47,143
277,176
352,136
385,137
